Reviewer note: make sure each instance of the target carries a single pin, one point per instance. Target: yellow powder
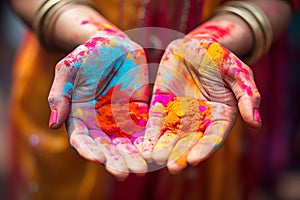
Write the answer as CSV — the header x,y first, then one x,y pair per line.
x,y
186,115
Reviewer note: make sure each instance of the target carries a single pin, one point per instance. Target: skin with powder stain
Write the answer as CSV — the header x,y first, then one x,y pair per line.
x,y
108,75
196,66
199,68
200,85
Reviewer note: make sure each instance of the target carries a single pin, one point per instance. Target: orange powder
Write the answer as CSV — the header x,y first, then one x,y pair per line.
x,y
120,119
186,115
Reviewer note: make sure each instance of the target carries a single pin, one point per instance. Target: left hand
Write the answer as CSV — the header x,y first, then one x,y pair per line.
x,y
101,91
200,84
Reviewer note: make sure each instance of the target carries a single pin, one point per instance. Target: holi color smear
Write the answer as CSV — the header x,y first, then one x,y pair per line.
x,y
186,115
116,119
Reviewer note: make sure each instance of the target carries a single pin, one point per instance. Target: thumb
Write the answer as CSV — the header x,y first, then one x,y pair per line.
x,y
249,109
248,96
61,91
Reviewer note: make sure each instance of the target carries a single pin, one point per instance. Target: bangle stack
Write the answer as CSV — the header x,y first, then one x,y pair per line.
x,y
257,21
46,17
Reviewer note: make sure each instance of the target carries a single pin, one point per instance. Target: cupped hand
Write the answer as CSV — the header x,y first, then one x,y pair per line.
x,y
100,90
199,88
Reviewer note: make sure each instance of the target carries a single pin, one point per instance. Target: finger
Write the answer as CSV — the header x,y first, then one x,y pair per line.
x,y
157,115
221,122
178,158
60,107
115,163
138,142
61,90
246,93
164,147
205,147
96,147
150,139
83,142
129,152
249,109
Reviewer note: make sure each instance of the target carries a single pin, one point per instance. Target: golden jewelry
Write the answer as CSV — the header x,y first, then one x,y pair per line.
x,y
41,13
257,33
260,17
45,14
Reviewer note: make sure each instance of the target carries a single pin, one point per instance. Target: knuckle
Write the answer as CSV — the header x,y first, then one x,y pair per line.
x,y
257,96
51,100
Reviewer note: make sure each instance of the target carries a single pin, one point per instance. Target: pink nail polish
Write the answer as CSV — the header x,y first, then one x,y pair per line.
x,y
256,115
53,118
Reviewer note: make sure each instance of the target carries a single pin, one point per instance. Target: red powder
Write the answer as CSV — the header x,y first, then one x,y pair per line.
x,y
184,115
118,120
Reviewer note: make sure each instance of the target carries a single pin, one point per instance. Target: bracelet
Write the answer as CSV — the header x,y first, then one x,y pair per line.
x,y
260,17
259,24
39,18
47,13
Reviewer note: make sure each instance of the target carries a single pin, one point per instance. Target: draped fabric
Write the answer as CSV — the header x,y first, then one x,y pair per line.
x,y
43,164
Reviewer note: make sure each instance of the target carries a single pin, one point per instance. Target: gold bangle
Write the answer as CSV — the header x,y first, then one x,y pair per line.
x,y
48,12
39,17
257,33
260,17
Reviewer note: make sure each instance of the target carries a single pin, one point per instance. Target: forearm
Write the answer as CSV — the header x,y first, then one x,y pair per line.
x,y
78,24
70,25
236,35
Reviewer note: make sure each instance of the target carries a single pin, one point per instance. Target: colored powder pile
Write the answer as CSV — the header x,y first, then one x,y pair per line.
x,y
186,115
120,120
183,115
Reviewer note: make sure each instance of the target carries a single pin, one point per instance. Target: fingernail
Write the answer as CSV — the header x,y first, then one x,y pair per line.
x,y
53,118
256,115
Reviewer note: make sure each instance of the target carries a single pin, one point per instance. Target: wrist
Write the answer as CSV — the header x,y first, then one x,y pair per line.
x,y
243,28
63,25
258,25
237,36
228,30
70,31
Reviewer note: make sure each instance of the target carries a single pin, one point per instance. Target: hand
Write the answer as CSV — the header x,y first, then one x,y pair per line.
x,y
100,90
197,91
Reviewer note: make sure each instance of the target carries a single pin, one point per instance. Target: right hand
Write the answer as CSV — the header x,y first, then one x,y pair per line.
x,y
100,78
195,69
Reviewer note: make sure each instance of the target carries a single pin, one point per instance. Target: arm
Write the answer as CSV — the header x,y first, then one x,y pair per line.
x,y
25,9
73,26
238,37
203,69
83,93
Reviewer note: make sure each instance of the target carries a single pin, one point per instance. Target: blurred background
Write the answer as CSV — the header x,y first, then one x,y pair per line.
x,y
11,29
287,184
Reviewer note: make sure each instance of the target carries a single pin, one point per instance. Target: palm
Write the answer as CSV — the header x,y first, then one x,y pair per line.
x,y
197,74
104,73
